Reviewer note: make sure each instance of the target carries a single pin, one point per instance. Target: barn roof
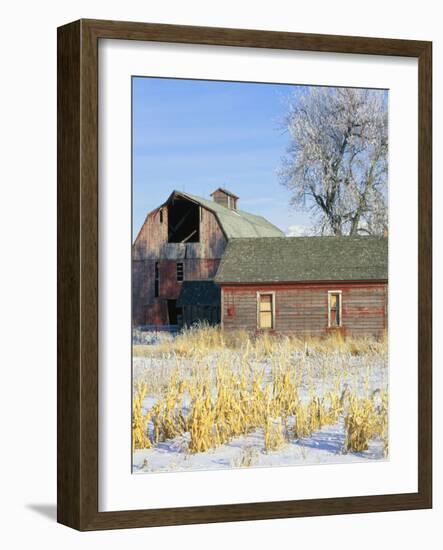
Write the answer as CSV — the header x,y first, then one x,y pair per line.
x,y
297,259
204,293
236,223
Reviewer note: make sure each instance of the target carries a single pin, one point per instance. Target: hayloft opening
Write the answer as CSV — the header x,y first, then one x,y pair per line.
x,y
183,221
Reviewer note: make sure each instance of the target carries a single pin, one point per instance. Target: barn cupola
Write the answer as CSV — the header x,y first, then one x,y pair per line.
x,y
225,198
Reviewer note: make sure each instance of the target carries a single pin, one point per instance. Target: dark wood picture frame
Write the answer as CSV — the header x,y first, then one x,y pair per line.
x,y
77,456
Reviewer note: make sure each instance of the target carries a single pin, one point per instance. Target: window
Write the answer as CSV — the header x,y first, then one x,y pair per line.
x,y
179,272
161,216
265,311
156,281
334,311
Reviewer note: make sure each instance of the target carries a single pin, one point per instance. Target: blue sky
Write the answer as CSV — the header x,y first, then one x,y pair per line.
x,y
195,136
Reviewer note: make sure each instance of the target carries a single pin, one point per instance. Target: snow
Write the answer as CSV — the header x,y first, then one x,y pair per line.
x,y
324,446
363,373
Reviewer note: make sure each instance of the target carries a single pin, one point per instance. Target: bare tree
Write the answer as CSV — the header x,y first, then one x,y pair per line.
x,y
337,164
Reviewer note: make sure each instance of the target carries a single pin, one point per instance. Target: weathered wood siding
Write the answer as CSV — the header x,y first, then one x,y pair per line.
x,y
212,238
302,308
145,306
224,199
152,240
200,262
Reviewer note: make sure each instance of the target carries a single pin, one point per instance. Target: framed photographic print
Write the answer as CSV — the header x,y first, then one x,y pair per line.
x,y
244,275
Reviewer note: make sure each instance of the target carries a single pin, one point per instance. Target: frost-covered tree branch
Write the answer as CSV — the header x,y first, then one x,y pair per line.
x,y
336,165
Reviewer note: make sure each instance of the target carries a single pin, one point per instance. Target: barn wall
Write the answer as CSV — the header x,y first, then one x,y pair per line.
x,y
152,236
200,262
148,310
212,237
303,308
152,240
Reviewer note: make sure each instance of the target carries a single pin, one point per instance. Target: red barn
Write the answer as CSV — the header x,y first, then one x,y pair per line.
x,y
305,285
177,253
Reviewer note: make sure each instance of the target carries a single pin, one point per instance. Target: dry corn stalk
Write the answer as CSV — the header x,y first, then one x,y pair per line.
x,y
365,420
210,404
140,439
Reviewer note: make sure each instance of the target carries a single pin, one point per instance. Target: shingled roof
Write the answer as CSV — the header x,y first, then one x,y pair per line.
x,y
296,259
236,223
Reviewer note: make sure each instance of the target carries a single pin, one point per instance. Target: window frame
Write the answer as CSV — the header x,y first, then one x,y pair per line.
x,y
266,293
340,301
183,272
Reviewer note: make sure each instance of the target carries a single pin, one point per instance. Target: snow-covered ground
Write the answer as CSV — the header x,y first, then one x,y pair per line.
x,y
363,374
324,446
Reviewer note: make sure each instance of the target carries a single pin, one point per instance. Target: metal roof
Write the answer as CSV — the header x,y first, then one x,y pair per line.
x,y
236,223
297,259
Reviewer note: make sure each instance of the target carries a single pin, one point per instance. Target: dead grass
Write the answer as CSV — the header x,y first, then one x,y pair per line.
x,y
203,339
214,386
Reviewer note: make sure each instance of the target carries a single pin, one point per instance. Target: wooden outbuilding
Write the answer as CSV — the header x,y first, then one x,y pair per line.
x,y
305,285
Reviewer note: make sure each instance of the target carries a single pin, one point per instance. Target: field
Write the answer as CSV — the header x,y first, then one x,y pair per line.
x,y
208,399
